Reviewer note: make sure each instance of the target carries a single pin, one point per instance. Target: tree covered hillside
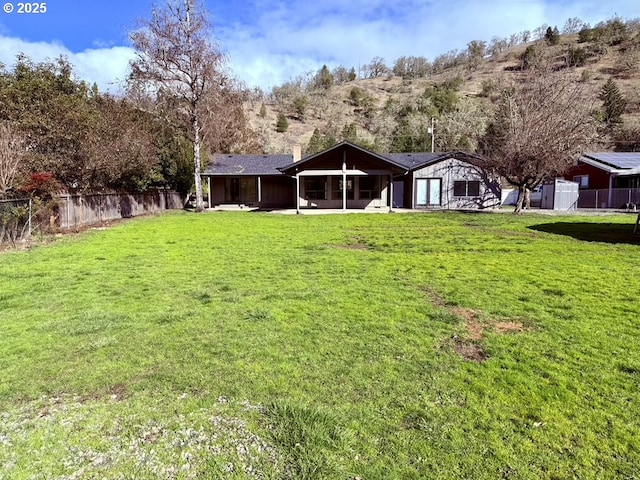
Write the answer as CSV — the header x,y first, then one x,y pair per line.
x,y
390,107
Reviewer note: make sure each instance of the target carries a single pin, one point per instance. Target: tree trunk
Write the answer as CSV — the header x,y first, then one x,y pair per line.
x,y
196,160
521,197
527,199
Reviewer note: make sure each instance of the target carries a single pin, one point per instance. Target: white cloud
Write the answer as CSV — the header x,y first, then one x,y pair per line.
x,y
281,40
286,40
105,66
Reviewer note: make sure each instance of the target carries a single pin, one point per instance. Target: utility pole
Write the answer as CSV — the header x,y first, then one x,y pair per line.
x,y
431,130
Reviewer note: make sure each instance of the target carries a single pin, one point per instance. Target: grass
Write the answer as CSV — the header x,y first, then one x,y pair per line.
x,y
238,345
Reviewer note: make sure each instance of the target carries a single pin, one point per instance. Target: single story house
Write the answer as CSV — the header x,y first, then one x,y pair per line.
x,y
607,179
347,176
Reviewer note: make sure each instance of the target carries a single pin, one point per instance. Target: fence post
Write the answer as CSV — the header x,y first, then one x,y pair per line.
x,y
30,210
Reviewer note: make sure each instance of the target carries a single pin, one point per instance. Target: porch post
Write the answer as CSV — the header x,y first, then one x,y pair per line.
x,y
413,191
259,189
391,192
297,193
344,180
210,192
610,199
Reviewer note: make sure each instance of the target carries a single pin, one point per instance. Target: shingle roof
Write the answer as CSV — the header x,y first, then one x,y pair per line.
x,y
229,164
344,143
616,159
413,160
224,164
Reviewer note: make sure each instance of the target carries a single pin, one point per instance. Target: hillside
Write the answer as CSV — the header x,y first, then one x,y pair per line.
x,y
388,107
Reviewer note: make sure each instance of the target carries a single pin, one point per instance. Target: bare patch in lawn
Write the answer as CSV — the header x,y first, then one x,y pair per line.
x,y
118,391
354,246
473,325
470,351
510,327
436,299
469,344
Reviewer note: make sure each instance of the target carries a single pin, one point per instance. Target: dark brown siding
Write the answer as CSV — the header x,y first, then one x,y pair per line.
x,y
217,185
278,192
598,179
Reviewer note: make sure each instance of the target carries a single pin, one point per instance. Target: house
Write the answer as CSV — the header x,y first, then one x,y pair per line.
x,y
347,177
607,179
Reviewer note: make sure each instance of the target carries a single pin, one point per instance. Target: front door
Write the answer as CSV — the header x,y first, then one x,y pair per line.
x,y
428,192
233,190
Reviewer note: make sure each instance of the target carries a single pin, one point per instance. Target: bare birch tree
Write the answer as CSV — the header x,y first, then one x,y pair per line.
x,y
177,55
12,153
540,126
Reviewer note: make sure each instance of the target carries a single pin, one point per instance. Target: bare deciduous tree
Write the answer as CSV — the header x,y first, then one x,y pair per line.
x,y
12,152
540,126
175,54
377,68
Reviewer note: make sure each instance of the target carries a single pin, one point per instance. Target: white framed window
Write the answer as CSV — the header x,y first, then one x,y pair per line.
x,y
582,180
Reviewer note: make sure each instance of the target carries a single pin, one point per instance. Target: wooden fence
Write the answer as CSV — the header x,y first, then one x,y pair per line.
x,y
79,210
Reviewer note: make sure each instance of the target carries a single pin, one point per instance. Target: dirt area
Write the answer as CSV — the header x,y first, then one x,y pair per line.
x,y
470,351
469,344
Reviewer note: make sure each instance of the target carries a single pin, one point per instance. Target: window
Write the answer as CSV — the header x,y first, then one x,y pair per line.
x,y
336,188
582,180
241,189
466,188
369,187
314,188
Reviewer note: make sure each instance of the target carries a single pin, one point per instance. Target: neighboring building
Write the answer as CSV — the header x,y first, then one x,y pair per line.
x,y
347,176
607,179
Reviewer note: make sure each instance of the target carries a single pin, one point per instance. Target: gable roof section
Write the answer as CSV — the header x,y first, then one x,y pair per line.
x,y
613,162
227,164
238,165
415,161
292,167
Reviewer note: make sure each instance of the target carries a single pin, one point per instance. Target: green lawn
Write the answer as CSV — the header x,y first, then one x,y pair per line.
x,y
242,345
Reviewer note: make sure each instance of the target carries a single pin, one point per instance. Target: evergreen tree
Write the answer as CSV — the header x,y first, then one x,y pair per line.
x,y
263,111
613,103
552,36
316,143
350,132
282,124
352,74
324,78
300,105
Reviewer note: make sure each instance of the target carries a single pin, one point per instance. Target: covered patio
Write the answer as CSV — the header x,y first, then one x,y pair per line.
x,y
344,177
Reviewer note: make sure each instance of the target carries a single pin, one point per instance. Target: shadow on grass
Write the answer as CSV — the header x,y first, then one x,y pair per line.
x,y
592,232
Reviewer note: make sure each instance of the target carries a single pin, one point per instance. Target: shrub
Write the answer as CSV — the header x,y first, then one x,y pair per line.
x,y
282,124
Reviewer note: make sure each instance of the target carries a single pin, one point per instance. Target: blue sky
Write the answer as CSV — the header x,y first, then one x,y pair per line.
x,y
271,41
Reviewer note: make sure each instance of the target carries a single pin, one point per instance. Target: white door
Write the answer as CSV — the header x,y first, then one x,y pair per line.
x,y
434,191
428,192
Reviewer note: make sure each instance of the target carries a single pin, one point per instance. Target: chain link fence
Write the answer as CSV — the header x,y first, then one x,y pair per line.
x,y
618,198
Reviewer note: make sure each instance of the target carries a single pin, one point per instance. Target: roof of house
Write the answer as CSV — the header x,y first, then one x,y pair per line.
x,y
613,160
347,145
414,161
228,164
231,164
